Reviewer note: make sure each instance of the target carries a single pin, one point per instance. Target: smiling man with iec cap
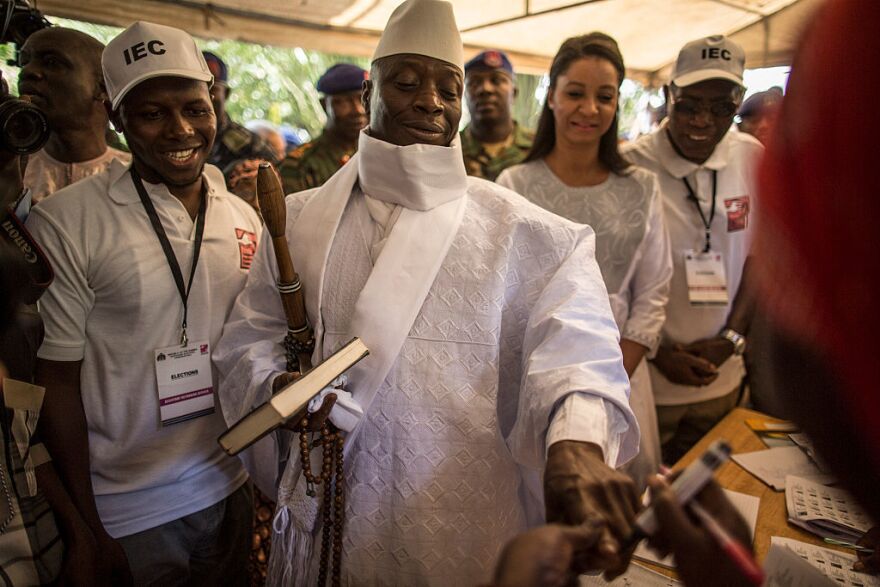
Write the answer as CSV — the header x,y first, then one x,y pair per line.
x,y
148,261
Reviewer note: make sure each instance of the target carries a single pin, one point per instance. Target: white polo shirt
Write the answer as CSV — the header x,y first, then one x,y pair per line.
x,y
735,160
113,302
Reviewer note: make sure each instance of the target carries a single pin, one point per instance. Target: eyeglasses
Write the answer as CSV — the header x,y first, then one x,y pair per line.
x,y
691,107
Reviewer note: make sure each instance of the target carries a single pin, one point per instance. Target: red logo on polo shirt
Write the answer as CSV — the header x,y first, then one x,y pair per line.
x,y
247,247
737,213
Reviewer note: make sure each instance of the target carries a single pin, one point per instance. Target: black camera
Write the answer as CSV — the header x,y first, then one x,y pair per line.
x,y
19,21
23,127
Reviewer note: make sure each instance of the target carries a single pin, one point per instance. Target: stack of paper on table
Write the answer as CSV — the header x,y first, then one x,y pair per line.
x,y
833,564
746,505
784,568
825,511
772,465
635,576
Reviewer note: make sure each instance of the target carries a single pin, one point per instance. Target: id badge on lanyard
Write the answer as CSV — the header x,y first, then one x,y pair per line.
x,y
183,371
186,388
706,278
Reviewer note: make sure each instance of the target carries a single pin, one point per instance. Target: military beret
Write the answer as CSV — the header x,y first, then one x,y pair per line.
x,y
341,78
757,103
217,67
490,60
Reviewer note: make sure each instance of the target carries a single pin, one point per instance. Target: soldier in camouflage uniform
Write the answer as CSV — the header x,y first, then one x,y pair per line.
x,y
493,141
311,164
235,145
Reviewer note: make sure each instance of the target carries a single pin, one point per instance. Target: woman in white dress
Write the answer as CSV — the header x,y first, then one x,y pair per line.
x,y
575,170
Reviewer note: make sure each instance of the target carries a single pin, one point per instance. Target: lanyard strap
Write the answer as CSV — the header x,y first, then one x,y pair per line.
x,y
692,196
184,291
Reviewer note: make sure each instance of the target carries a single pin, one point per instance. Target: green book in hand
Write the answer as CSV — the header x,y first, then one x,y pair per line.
x,y
291,399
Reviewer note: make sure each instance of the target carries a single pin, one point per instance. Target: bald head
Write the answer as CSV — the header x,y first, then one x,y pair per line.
x,y
86,46
61,70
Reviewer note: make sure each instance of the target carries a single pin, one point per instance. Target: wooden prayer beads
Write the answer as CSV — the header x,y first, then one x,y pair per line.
x,y
331,476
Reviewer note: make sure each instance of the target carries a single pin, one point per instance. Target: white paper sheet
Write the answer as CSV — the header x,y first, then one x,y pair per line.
x,y
784,568
825,511
772,465
635,576
834,564
747,505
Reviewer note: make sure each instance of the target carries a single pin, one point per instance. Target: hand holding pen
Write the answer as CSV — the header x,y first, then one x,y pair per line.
x,y
702,553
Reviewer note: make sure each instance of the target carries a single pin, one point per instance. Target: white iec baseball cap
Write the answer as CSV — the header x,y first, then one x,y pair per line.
x,y
715,57
146,50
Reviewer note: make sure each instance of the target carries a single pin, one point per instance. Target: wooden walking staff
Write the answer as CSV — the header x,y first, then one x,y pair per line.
x,y
298,347
300,340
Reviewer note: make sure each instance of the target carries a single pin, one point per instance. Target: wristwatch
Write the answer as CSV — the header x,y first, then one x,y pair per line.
x,y
738,340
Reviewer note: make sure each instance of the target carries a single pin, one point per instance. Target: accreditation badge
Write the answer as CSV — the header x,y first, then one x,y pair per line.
x,y
186,388
706,280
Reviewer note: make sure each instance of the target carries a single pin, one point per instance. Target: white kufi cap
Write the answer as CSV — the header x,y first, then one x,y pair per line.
x,y
422,27
146,50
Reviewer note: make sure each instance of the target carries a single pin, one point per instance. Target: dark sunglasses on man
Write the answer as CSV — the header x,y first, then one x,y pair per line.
x,y
691,107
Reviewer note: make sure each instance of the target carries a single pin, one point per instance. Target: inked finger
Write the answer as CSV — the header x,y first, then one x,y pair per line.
x,y
608,548
625,558
601,556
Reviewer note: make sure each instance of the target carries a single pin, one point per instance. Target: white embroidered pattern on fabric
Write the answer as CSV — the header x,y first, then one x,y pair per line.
x,y
617,210
424,498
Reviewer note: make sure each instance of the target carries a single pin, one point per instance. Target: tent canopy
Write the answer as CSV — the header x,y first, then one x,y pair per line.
x,y
650,32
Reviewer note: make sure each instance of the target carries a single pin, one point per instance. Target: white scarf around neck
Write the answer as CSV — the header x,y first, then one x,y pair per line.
x,y
418,177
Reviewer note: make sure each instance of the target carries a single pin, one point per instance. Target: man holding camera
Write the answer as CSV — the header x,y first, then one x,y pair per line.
x,y
35,508
61,73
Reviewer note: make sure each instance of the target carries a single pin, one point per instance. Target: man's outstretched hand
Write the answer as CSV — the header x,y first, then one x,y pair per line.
x,y
579,488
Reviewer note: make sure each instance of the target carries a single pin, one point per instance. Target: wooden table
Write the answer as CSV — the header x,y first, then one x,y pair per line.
x,y
772,517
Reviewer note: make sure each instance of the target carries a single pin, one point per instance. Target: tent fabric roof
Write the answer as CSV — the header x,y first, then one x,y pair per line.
x,y
650,32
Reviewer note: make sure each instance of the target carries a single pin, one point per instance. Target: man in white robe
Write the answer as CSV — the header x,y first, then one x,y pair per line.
x,y
494,353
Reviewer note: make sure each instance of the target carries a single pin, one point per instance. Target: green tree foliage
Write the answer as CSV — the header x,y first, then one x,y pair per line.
x,y
529,98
